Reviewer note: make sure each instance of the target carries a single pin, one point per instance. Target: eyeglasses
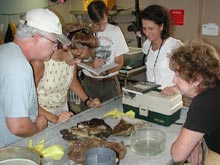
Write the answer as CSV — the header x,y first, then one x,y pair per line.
x,y
70,35
54,42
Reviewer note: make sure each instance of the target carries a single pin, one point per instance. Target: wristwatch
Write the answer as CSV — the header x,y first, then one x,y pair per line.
x,y
106,72
86,100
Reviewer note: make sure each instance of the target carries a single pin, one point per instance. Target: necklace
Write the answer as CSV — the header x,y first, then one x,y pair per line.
x,y
155,62
148,51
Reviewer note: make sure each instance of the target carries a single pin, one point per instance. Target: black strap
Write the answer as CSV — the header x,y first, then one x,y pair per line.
x,y
88,99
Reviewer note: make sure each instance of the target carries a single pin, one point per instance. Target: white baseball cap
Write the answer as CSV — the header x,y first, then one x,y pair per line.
x,y
45,20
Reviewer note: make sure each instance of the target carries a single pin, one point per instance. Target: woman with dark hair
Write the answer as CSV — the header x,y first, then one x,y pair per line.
x,y
54,77
156,26
197,74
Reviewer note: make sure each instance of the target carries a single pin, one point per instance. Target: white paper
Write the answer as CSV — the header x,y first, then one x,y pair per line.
x,y
140,87
97,71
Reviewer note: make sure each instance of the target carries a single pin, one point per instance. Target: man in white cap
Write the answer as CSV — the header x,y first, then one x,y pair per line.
x,y
36,38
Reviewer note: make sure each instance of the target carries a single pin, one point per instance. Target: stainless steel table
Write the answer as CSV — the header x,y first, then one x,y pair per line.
x,y
52,135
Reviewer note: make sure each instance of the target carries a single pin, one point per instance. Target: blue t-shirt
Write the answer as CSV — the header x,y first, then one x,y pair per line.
x,y
17,90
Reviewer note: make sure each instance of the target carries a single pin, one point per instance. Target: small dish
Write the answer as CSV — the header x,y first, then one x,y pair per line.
x,y
147,141
19,156
100,156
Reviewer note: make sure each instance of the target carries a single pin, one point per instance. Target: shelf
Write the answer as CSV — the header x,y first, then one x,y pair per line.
x,y
111,12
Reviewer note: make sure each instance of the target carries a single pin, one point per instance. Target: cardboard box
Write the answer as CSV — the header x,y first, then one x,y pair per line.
x,y
109,3
153,106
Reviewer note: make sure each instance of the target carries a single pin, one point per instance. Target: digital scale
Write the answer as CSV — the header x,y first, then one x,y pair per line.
x,y
150,105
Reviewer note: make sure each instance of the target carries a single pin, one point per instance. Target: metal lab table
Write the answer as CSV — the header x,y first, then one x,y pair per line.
x,y
52,135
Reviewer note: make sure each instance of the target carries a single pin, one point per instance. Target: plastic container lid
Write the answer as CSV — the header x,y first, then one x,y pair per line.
x,y
100,156
147,141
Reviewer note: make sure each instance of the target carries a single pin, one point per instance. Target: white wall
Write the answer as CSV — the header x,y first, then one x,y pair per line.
x,y
192,17
11,9
211,14
196,13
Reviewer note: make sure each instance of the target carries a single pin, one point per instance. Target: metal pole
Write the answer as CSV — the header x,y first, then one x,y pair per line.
x,y
138,21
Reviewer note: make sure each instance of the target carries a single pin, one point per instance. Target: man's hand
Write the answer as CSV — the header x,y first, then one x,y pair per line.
x,y
94,103
41,123
98,62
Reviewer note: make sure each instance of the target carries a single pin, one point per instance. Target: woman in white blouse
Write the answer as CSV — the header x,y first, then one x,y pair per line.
x,y
157,47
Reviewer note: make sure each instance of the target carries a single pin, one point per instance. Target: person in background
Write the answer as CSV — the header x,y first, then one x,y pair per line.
x,y
197,74
35,39
112,46
156,25
55,77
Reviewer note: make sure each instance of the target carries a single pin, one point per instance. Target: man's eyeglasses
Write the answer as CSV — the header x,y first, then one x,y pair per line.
x,y
70,35
54,42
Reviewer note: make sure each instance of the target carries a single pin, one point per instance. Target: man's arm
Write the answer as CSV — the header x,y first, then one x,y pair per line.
x,y
24,127
120,61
